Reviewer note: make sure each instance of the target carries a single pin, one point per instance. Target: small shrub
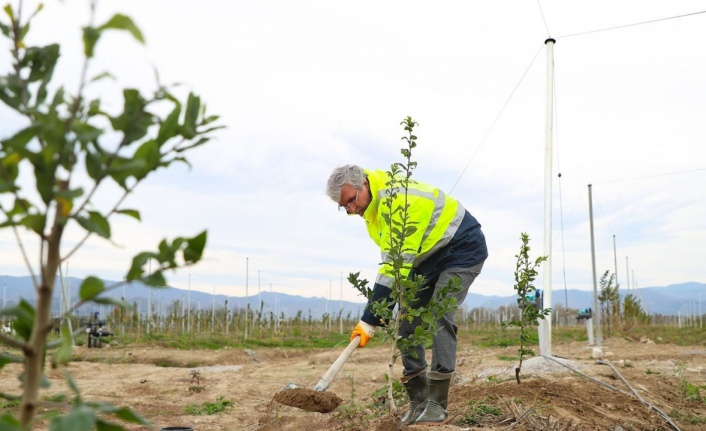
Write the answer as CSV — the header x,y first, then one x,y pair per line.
x,y
692,392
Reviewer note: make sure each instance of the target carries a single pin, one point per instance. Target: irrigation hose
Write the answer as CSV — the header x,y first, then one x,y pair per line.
x,y
633,394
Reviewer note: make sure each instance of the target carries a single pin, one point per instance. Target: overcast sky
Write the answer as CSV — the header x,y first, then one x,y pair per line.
x,y
306,86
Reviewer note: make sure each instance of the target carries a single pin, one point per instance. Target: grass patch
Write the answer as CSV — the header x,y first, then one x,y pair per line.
x,y
219,341
687,417
508,358
168,363
692,392
207,408
56,398
478,413
9,404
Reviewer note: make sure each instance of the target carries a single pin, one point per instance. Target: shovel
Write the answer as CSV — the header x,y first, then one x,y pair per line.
x,y
317,400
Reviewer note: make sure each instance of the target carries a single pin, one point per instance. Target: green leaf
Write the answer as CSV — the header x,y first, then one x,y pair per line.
x,y
104,75
134,121
111,301
72,384
80,418
194,248
94,165
10,169
21,138
9,423
156,279
90,288
5,29
102,425
41,62
63,354
138,264
10,13
85,133
122,22
6,358
168,129
123,168
193,105
132,213
24,319
127,414
95,223
149,154
90,38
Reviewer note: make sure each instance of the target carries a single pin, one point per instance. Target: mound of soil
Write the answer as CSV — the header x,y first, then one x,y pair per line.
x,y
309,400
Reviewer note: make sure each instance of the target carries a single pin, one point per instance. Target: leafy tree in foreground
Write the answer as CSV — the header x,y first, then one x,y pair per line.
x,y
525,274
77,152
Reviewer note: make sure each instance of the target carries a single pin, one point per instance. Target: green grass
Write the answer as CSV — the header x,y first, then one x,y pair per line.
x,y
687,417
688,336
219,341
9,404
56,398
311,336
692,392
207,408
478,413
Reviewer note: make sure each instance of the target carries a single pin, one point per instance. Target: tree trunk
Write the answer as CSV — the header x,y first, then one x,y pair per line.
x,y
34,350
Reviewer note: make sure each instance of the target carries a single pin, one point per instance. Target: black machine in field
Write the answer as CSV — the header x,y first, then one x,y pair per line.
x,y
96,331
584,314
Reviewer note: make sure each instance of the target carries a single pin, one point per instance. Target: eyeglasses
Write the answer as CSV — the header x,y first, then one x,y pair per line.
x,y
351,201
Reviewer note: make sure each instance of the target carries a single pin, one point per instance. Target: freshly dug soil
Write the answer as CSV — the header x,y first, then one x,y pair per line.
x,y
309,400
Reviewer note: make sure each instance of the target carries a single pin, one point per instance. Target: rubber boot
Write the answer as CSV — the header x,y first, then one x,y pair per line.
x,y
435,411
418,391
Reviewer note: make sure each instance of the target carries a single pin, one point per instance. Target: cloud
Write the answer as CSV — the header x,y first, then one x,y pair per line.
x,y
304,87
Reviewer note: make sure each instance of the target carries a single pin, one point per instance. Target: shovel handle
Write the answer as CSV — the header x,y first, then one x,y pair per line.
x,y
336,367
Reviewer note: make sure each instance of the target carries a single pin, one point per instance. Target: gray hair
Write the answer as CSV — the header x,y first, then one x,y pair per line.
x,y
348,174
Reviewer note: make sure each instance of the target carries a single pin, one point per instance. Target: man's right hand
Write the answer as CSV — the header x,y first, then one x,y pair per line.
x,y
363,330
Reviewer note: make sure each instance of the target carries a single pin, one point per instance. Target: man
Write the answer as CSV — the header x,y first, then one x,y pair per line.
x,y
449,244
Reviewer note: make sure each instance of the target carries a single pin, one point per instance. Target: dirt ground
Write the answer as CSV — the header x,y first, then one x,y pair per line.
x,y
644,387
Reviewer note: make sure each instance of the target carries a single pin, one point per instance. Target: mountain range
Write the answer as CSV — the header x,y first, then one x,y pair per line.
x,y
685,298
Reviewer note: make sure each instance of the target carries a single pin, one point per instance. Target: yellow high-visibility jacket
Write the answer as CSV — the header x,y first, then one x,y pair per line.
x,y
445,234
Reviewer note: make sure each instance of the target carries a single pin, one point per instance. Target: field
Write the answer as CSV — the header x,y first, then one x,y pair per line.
x,y
232,388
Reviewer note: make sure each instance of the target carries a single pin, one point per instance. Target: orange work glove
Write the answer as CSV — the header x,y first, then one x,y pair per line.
x,y
363,330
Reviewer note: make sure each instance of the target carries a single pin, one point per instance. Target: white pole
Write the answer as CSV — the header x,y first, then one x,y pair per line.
x,y
615,262
188,308
340,309
247,302
149,300
545,325
213,310
596,308
589,329
276,316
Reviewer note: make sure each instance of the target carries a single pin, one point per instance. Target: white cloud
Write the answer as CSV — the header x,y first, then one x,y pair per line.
x,y
304,87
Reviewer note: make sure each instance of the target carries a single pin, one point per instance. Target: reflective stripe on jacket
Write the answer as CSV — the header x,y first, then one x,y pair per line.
x,y
434,215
